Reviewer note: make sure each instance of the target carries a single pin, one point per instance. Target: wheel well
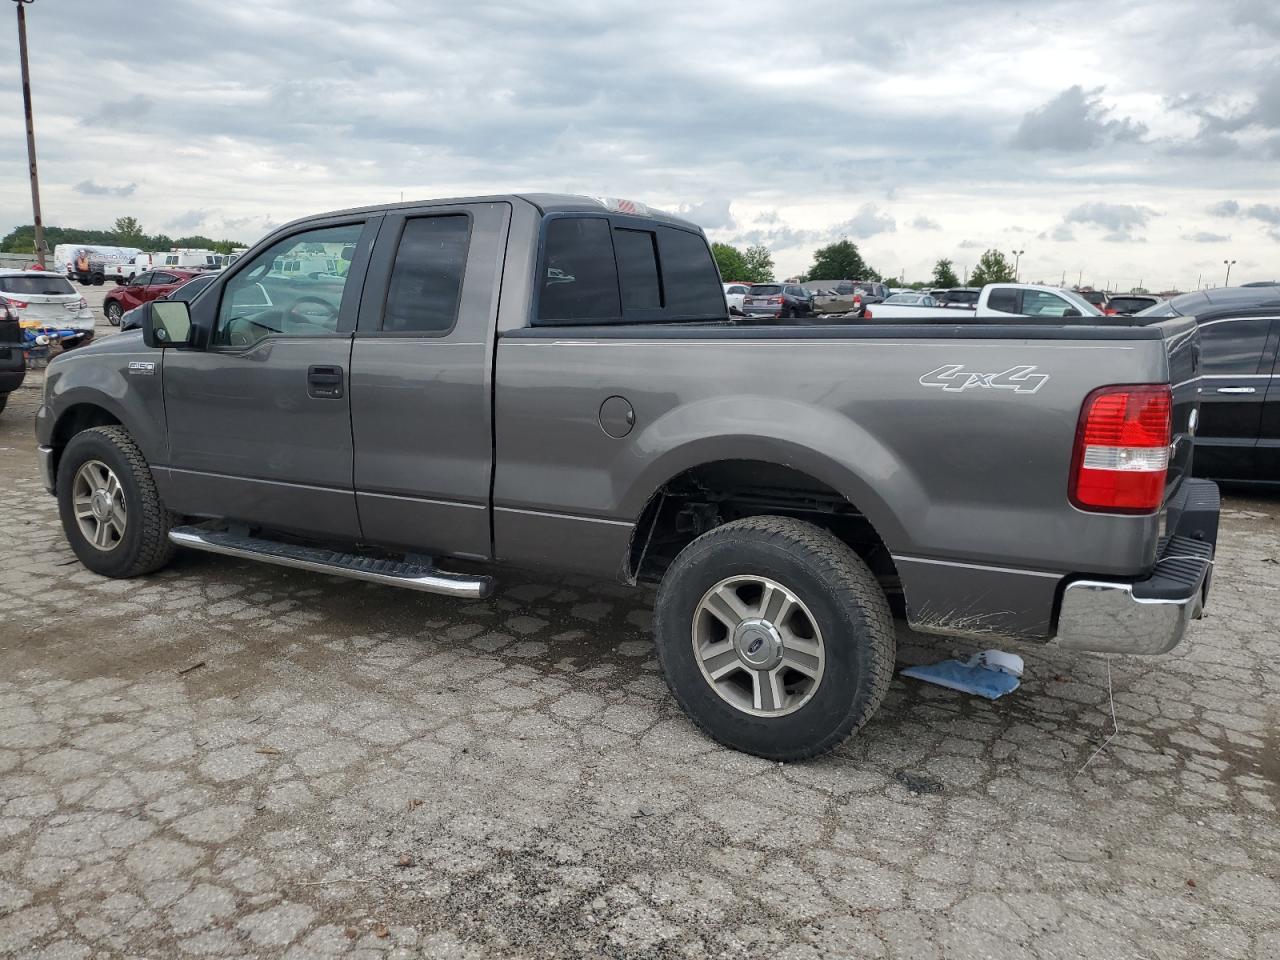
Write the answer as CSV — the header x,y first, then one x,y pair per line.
x,y
704,497
78,418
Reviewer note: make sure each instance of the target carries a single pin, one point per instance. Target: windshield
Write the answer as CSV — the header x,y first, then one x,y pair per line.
x,y
33,286
766,289
1086,308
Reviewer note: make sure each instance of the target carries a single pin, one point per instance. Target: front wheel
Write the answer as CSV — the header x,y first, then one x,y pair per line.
x,y
114,312
110,510
774,637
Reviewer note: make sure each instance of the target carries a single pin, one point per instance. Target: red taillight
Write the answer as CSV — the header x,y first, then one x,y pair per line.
x,y
857,299
1122,449
1109,312
10,302
866,314
775,299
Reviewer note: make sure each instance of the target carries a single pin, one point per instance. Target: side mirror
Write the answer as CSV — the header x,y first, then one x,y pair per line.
x,y
1072,312
166,323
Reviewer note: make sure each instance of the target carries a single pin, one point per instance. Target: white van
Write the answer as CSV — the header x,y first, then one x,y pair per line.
x,y
102,259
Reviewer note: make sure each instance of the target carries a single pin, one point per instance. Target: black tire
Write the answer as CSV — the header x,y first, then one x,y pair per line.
x,y
786,313
113,312
845,601
98,280
144,547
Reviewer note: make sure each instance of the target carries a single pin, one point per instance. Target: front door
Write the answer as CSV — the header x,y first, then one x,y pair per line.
x,y
259,423
1235,372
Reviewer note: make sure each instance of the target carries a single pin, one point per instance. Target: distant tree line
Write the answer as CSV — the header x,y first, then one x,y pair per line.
x,y
127,232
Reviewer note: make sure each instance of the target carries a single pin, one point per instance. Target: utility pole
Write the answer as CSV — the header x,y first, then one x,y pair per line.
x,y
1199,277
41,249
1064,279
1230,264
1017,259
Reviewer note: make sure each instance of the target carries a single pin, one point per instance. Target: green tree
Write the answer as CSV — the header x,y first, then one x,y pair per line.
x,y
841,261
732,264
944,274
129,231
758,263
992,268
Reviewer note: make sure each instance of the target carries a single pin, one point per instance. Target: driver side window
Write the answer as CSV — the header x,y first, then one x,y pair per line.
x,y
293,288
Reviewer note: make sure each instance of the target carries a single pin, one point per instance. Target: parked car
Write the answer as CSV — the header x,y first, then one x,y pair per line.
x,y
145,287
734,294
781,300
1238,437
13,360
912,300
1128,304
999,301
582,406
46,299
187,292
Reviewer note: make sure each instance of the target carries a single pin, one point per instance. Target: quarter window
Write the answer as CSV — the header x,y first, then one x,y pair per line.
x,y
426,281
1233,346
580,277
264,300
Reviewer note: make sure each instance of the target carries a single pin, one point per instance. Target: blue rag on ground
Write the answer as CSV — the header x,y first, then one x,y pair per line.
x,y
967,677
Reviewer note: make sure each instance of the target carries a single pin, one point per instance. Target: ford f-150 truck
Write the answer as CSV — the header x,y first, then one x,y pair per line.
x,y
554,382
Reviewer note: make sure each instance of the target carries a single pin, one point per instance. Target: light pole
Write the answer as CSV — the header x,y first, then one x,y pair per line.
x,y
41,249
1230,264
1017,258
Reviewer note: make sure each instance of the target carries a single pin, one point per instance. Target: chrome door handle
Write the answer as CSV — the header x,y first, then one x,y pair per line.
x,y
1236,390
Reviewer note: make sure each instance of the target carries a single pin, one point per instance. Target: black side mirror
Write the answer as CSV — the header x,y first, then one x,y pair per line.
x,y
166,323
1072,312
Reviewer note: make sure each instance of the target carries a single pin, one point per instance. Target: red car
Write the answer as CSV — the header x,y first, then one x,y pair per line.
x,y
145,286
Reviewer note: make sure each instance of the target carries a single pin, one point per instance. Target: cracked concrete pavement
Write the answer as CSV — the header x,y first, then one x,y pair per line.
x,y
231,760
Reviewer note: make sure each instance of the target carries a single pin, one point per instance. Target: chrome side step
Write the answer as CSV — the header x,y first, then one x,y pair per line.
x,y
393,573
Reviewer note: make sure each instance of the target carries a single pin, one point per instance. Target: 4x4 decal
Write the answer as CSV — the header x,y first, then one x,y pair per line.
x,y
953,377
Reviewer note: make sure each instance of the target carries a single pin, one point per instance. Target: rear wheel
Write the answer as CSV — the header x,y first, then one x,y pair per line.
x,y
774,637
98,279
114,312
110,511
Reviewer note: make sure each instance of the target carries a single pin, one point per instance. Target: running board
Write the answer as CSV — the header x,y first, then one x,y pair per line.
x,y
393,573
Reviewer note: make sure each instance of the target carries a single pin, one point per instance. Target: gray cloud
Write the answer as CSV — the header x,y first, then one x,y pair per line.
x,y
1225,208
971,245
190,220
925,223
1061,233
1205,237
1073,121
1121,219
867,222
91,189
121,111
1264,212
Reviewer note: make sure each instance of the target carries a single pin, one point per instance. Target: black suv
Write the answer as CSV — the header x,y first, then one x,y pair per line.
x,y
1238,436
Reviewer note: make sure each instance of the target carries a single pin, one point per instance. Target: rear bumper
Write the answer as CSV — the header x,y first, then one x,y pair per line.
x,y
762,309
1149,616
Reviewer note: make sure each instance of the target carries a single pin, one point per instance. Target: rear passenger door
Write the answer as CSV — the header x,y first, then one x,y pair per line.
x,y
421,379
1237,355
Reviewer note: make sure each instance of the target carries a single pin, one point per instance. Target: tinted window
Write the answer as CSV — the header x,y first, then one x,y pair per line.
x,y
580,279
1233,346
426,281
1006,301
142,279
689,275
262,301
736,288
766,290
1129,304
51,286
637,252
163,278
189,289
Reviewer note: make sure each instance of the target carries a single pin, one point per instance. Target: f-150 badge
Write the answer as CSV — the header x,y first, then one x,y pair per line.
x,y
953,377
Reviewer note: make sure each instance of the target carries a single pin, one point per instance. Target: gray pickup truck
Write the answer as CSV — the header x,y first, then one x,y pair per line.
x,y
554,382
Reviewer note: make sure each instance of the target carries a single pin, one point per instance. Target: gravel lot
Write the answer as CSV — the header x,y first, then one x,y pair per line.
x,y
236,760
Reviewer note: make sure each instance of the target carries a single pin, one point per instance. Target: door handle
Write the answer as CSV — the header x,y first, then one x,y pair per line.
x,y
1236,390
324,382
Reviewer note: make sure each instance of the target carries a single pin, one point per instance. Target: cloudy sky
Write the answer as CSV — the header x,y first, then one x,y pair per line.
x,y
1114,141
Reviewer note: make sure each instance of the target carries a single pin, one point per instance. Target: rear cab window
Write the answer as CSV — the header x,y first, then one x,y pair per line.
x,y
623,269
